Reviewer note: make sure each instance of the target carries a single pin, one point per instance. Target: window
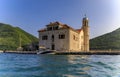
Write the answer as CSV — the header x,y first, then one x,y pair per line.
x,y
44,37
52,28
49,28
55,28
75,38
62,36
52,38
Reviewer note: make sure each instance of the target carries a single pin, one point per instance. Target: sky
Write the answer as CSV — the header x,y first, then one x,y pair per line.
x,y
33,15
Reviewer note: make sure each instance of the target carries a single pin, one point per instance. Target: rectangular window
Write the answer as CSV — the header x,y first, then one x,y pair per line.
x,y
49,28
62,36
75,38
44,37
55,28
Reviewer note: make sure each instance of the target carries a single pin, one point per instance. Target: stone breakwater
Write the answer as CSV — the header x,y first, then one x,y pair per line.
x,y
95,52
22,52
89,53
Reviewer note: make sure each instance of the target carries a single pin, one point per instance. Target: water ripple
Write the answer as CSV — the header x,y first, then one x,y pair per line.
x,y
21,65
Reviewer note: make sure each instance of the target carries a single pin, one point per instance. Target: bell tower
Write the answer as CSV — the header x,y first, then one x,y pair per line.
x,y
85,28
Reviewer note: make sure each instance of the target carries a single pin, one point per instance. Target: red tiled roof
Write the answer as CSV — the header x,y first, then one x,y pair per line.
x,y
42,30
64,26
79,30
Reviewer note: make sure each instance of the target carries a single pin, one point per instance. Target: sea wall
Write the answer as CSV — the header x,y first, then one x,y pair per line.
x,y
22,52
92,52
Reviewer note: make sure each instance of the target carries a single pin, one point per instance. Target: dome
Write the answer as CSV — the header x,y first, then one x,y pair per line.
x,y
85,18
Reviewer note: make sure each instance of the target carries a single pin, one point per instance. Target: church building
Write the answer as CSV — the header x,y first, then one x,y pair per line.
x,y
61,37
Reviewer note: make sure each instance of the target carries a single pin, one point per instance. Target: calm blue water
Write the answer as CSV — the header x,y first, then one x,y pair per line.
x,y
26,65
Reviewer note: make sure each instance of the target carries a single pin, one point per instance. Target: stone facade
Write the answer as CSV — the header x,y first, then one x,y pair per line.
x,y
61,37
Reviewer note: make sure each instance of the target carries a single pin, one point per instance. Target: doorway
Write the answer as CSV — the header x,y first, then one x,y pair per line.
x,y
53,47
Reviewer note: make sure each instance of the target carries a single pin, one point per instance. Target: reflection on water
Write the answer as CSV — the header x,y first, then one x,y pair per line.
x,y
21,65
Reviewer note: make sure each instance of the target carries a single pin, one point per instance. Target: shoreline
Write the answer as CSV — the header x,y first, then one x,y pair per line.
x,y
96,52
88,53
21,52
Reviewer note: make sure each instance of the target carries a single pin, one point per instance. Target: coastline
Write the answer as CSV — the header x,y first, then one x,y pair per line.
x,y
21,52
92,52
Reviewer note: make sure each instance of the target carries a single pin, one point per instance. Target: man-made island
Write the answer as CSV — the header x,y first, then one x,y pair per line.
x,y
94,52
61,37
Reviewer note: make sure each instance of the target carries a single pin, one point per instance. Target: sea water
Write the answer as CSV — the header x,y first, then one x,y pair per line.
x,y
31,65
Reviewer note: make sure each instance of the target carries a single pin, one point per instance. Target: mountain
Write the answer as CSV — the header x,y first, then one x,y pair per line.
x,y
10,37
107,41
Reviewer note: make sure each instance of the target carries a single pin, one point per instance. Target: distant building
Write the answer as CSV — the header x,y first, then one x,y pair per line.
x,y
61,37
31,47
